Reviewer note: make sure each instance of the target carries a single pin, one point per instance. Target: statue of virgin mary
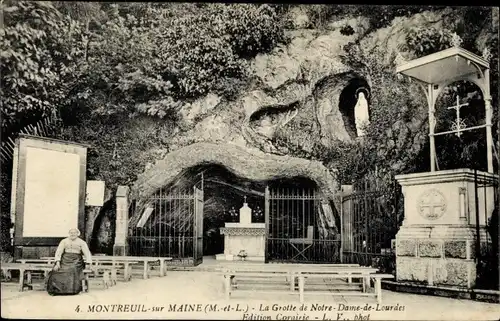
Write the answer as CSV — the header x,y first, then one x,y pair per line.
x,y
361,114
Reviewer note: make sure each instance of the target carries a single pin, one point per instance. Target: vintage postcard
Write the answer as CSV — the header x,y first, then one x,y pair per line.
x,y
249,161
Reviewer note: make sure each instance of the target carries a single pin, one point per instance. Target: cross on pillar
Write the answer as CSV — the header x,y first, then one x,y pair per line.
x,y
244,199
458,124
432,206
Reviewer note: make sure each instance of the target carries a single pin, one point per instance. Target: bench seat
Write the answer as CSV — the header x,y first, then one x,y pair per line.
x,y
366,283
281,279
26,269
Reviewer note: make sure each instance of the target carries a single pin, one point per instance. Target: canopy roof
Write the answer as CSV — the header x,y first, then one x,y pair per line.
x,y
439,67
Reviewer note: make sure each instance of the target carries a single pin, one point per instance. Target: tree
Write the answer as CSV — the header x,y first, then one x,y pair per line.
x,y
40,49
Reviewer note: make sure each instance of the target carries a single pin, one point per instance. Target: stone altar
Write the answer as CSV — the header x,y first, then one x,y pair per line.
x,y
436,243
244,236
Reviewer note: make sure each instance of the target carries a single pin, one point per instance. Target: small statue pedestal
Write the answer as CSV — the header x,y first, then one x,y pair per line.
x,y
244,236
436,243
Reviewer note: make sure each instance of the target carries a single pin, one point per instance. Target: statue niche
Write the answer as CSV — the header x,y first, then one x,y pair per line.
x,y
354,105
361,111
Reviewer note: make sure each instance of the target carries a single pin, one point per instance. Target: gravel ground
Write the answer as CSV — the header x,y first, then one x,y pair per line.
x,y
199,295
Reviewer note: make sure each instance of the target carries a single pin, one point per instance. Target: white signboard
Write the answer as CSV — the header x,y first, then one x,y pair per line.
x,y
95,193
51,193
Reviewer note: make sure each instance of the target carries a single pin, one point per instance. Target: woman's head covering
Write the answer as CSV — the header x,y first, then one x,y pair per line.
x,y
363,90
75,229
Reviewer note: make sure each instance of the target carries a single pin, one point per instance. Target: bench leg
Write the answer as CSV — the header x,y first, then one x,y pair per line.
x,y
129,273
21,280
145,271
162,268
114,276
227,286
349,280
106,279
291,277
301,288
85,283
28,278
378,290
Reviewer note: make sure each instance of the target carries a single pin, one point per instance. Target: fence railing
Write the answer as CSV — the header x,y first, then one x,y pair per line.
x,y
486,193
370,220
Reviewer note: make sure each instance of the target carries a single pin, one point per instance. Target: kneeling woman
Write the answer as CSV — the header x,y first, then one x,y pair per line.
x,y
67,275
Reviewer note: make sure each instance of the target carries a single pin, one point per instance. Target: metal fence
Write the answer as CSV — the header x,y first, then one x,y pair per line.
x,y
370,220
486,211
296,232
169,226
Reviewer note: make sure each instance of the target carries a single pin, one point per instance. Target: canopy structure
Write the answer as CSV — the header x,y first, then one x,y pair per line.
x,y
435,71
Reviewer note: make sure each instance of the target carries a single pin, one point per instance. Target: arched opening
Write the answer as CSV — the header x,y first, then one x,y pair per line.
x,y
465,149
347,102
294,208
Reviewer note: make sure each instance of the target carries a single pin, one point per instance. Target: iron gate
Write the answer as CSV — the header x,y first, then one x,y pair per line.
x,y
370,220
171,225
296,231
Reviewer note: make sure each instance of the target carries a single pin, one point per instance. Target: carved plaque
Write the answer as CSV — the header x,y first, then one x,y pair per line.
x,y
431,204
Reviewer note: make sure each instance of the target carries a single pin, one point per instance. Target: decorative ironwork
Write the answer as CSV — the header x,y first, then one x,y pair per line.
x,y
432,204
458,124
295,228
234,215
174,227
370,222
257,215
487,55
456,40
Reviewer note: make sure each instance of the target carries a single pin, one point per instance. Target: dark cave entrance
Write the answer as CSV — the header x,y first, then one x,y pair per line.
x,y
225,193
347,102
296,215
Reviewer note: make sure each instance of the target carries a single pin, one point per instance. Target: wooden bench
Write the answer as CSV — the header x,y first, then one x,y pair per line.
x,y
116,268
25,269
293,269
289,273
106,266
106,276
147,263
303,276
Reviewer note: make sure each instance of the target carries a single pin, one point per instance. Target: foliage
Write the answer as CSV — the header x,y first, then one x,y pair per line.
x,y
379,16
394,147
40,49
168,60
423,41
120,147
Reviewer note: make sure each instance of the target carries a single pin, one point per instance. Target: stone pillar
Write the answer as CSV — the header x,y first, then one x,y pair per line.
x,y
436,243
120,248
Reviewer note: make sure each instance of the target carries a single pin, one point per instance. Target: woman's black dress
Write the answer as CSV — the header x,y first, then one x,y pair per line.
x,y
68,279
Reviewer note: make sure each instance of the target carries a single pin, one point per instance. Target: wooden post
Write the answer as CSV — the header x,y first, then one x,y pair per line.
x,y
291,277
163,271
378,290
227,286
21,280
301,288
